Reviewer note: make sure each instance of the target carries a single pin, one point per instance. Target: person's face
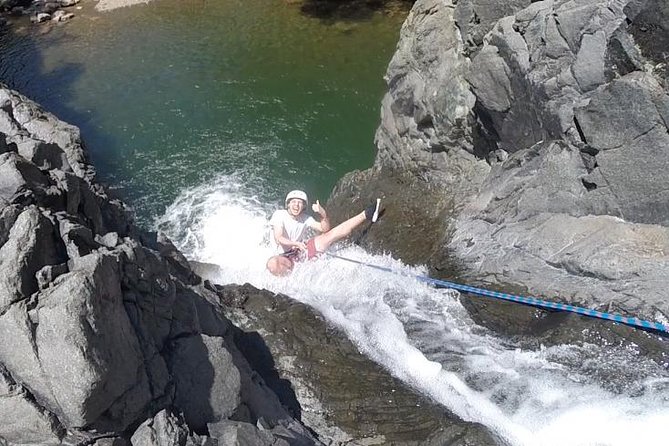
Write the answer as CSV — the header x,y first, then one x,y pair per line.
x,y
295,207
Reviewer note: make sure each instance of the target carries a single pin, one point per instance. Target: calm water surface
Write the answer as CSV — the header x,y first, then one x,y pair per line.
x,y
174,94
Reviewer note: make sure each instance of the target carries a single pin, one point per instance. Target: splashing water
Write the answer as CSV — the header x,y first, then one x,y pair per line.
x,y
424,336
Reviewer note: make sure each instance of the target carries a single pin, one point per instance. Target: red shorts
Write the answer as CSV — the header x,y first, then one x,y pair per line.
x,y
311,249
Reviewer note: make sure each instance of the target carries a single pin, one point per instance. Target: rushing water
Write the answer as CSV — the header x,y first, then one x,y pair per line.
x,y
560,395
214,110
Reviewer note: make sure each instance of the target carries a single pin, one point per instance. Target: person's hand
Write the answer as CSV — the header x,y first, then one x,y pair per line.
x,y
316,207
301,246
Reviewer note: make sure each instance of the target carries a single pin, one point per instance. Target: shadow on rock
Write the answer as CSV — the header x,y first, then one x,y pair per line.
x,y
352,10
253,347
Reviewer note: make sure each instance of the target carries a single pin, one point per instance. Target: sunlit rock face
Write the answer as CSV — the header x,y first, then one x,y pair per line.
x,y
542,127
105,328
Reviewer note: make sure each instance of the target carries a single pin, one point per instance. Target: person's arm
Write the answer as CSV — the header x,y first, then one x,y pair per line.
x,y
285,242
324,224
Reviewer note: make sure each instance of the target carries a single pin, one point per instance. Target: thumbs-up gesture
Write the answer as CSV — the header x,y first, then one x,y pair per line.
x,y
316,207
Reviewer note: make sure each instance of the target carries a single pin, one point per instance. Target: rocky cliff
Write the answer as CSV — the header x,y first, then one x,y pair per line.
x,y
108,337
533,138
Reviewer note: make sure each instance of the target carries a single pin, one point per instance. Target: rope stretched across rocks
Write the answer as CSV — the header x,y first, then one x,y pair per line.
x,y
631,321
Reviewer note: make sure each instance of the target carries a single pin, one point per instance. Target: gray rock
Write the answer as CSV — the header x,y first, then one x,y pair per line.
x,y
589,65
49,7
24,422
62,16
475,18
48,274
8,215
110,239
207,382
72,187
110,441
27,116
649,28
151,301
18,176
514,192
4,147
30,246
78,239
489,77
44,155
633,148
164,429
91,365
104,319
41,17
20,356
8,125
235,433
430,100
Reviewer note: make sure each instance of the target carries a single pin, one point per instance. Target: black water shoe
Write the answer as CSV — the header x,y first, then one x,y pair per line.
x,y
373,212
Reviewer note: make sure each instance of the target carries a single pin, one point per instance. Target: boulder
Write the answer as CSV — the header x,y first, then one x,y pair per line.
x,y
23,421
71,186
235,433
18,176
26,116
166,429
31,245
48,274
632,149
45,156
20,357
88,349
207,382
8,215
41,17
474,18
4,147
78,238
62,16
648,28
429,105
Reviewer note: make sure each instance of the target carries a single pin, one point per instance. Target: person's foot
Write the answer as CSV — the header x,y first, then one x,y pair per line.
x,y
373,212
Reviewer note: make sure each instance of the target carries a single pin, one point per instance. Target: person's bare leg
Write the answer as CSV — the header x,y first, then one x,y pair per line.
x,y
339,232
279,265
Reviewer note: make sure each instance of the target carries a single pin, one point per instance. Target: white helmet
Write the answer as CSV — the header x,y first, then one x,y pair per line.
x,y
297,194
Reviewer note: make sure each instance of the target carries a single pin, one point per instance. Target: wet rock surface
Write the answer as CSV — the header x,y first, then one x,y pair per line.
x,y
539,129
296,352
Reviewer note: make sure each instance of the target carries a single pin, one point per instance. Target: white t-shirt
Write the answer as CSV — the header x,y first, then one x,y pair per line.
x,y
294,229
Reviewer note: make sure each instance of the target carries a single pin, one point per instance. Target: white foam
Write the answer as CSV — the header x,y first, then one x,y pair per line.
x,y
424,337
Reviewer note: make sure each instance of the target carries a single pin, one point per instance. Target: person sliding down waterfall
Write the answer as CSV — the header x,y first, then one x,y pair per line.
x,y
288,228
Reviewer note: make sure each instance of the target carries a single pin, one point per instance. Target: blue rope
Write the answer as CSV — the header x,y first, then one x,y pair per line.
x,y
632,321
